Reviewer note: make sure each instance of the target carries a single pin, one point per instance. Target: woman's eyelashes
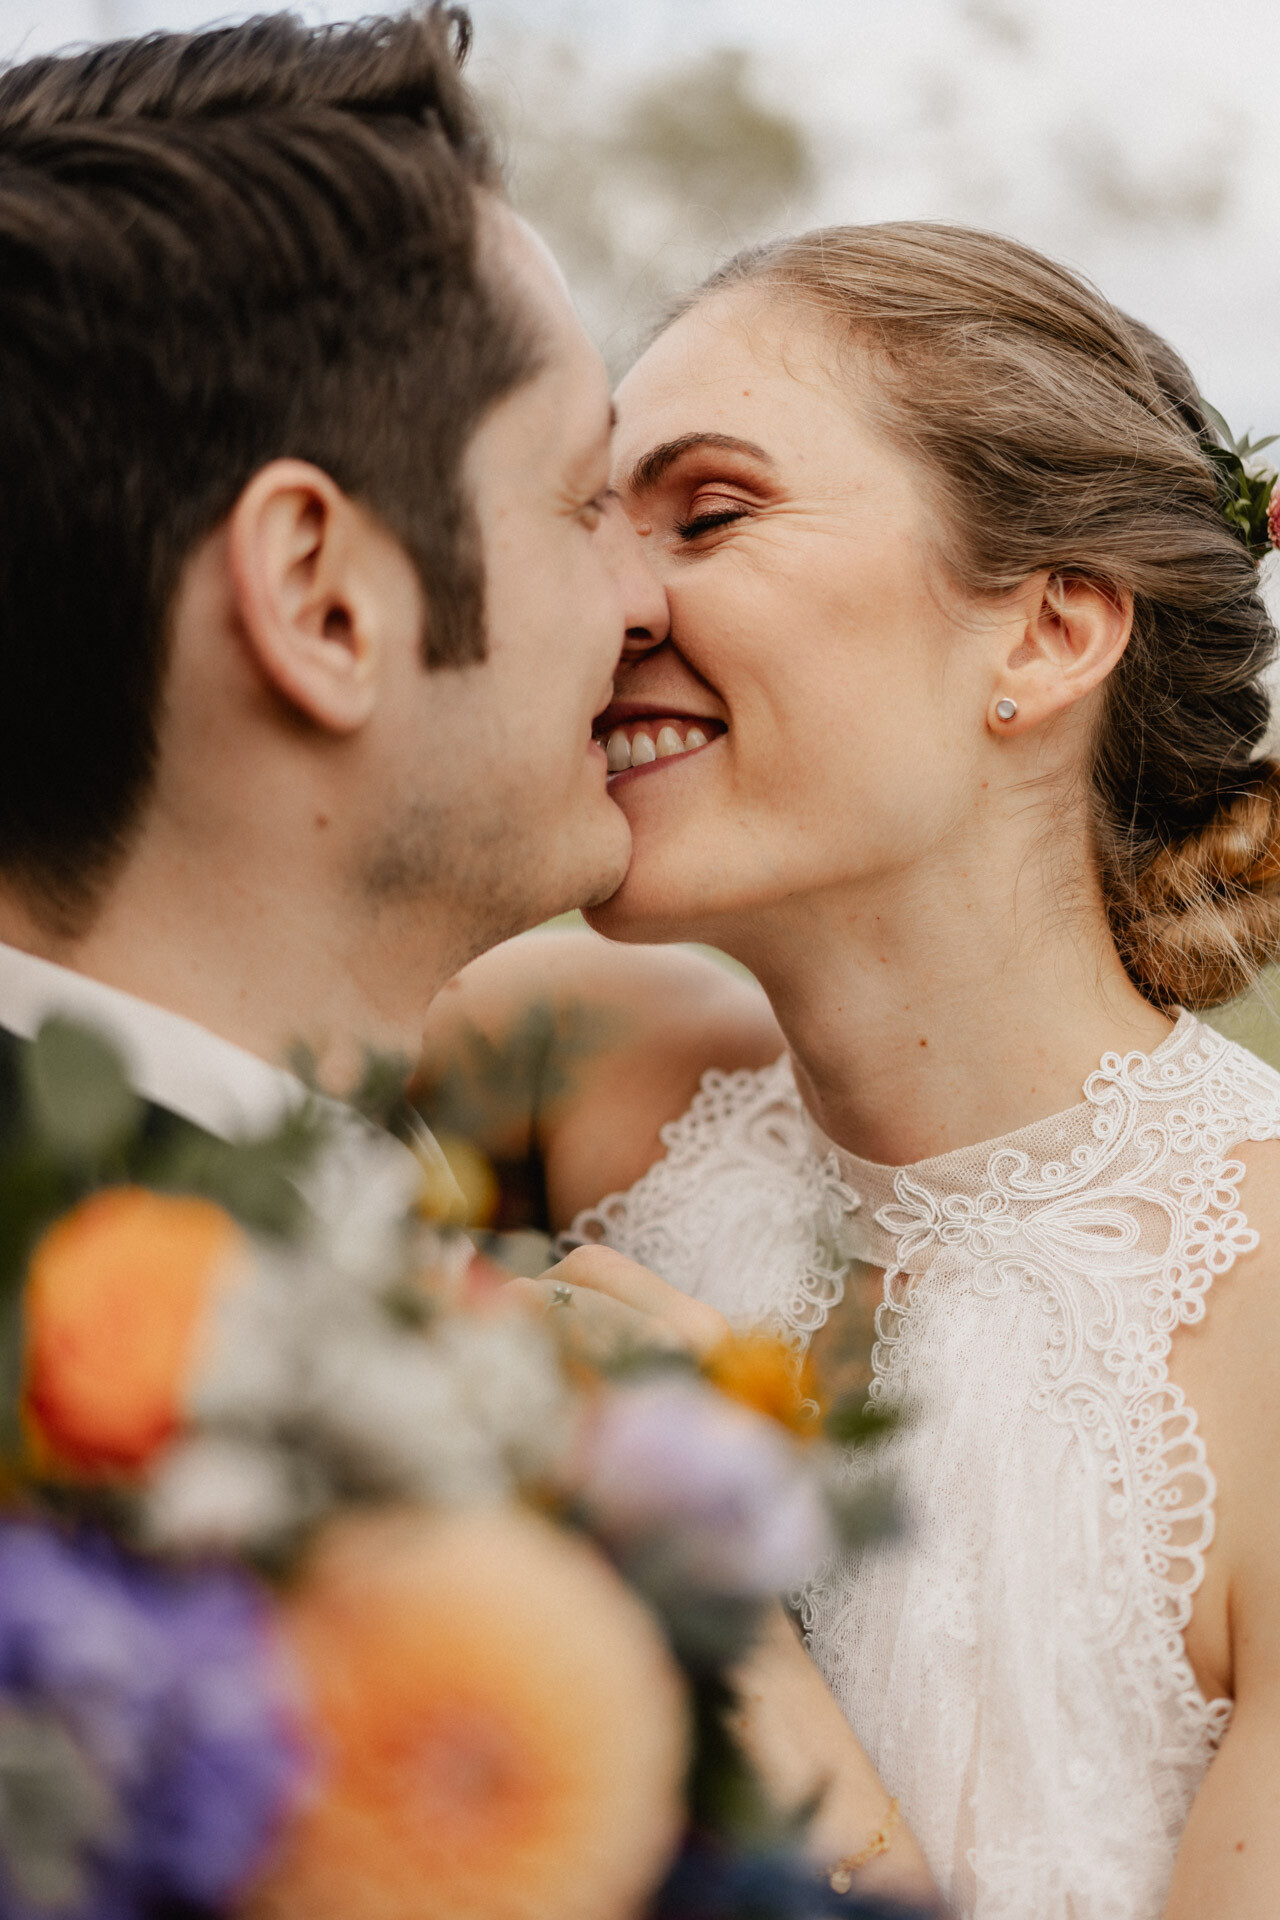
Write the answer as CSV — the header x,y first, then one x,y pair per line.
x,y
708,520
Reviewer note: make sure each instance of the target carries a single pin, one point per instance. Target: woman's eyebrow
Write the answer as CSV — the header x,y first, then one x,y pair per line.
x,y
651,466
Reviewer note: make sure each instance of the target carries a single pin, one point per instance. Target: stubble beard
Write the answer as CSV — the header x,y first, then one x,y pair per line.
x,y
480,873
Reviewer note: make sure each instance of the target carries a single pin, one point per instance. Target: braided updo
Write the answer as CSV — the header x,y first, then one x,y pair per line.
x,y
1057,434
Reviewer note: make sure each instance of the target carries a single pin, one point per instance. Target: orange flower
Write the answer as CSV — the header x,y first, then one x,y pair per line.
x,y
765,1373
503,1731
117,1295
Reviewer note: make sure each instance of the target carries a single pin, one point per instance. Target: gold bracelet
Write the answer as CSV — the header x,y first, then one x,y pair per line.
x,y
841,1875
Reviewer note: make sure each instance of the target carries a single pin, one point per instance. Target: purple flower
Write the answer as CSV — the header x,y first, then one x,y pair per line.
x,y
721,1493
167,1685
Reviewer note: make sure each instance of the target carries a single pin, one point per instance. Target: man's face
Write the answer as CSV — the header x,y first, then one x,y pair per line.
x,y
508,818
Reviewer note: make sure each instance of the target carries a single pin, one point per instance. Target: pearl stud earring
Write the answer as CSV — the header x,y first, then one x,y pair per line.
x,y
1005,709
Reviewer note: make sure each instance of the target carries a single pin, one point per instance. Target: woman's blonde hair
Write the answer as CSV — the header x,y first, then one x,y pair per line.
x,y
1059,434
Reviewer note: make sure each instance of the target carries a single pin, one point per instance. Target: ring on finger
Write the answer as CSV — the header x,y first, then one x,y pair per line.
x,y
561,1295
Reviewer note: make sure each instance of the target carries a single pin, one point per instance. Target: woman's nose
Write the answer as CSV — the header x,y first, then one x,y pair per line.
x,y
644,598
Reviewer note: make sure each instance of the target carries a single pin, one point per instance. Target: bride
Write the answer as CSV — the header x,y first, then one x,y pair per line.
x,y
955,743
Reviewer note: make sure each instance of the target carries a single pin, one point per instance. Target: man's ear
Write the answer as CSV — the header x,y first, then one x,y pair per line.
x,y
317,592
1075,632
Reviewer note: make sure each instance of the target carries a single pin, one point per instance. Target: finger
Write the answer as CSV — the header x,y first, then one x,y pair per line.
x,y
696,1326
593,1325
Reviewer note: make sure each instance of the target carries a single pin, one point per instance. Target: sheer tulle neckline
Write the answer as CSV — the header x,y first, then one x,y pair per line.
x,y
1051,1154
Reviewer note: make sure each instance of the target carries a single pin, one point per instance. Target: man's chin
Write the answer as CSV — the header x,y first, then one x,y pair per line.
x,y
604,888
589,887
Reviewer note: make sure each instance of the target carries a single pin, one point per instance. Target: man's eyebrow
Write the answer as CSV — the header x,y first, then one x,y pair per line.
x,y
651,466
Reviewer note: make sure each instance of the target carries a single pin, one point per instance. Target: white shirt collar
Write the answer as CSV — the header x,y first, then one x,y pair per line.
x,y
170,1059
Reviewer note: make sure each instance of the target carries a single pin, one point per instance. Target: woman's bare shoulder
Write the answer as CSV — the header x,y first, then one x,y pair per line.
x,y
619,1037
1228,1365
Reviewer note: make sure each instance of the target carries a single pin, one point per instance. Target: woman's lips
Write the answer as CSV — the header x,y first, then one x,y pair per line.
x,y
638,744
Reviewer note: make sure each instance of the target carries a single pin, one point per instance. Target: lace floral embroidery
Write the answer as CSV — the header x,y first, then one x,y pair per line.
x,y
741,1212
1014,1664
1123,1239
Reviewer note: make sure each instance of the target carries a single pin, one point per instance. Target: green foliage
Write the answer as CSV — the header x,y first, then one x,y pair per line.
x,y
1245,485
1254,1019
726,1795
493,1090
53,1806
78,1095
378,1094
855,1421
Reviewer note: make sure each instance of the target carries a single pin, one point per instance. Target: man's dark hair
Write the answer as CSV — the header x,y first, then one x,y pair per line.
x,y
217,249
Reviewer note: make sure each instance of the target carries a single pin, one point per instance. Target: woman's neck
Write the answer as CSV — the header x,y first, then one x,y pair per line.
x,y
941,1009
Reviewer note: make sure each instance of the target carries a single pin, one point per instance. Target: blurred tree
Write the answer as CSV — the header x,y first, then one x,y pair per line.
x,y
641,189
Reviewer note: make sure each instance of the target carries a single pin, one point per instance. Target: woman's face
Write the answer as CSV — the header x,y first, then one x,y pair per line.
x,y
838,683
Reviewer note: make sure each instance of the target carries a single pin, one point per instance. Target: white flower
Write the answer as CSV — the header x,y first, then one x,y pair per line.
x,y
507,1373
362,1191
462,1413
386,1406
220,1493
248,1373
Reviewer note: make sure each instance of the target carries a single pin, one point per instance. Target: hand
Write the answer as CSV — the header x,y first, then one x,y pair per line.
x,y
616,1303
805,1751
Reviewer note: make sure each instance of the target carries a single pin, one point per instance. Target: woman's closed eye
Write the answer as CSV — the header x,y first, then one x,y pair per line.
x,y
708,512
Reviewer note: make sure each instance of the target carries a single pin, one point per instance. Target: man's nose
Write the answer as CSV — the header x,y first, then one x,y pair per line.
x,y
647,616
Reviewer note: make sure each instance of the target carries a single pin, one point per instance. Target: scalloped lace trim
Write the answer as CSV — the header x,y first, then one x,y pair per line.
x,y
1104,1229
742,1211
1161,1126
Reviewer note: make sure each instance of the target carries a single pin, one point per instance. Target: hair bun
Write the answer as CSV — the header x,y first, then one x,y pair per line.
x,y
1203,917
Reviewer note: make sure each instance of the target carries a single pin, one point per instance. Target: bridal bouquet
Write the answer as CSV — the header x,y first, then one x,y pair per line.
x,y
336,1585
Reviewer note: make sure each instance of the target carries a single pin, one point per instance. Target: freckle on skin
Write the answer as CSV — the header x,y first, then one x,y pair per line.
x,y
1239,1846
322,819
924,1043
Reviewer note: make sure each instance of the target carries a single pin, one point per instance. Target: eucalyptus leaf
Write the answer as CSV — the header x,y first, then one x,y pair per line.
x,y
1218,424
78,1092
868,1512
855,1421
54,1806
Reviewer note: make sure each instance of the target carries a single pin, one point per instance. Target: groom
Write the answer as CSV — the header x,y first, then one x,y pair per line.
x,y
310,586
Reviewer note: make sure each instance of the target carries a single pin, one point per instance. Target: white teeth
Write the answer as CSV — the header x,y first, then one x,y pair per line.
x,y
623,750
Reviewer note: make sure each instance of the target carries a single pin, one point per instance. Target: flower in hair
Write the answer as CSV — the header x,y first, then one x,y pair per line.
x,y
1248,489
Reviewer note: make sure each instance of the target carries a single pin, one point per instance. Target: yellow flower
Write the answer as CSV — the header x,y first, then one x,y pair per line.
x,y
459,1187
503,1733
118,1293
765,1373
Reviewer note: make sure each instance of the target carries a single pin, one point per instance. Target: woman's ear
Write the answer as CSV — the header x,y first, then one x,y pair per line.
x,y
315,601
1075,632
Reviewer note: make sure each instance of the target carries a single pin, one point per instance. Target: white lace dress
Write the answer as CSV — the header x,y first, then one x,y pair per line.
x,y
1013,1661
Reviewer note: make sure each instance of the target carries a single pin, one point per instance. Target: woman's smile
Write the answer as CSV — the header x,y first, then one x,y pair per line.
x,y
638,739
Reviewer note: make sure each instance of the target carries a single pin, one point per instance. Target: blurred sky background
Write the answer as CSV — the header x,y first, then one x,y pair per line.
x,y
1137,139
